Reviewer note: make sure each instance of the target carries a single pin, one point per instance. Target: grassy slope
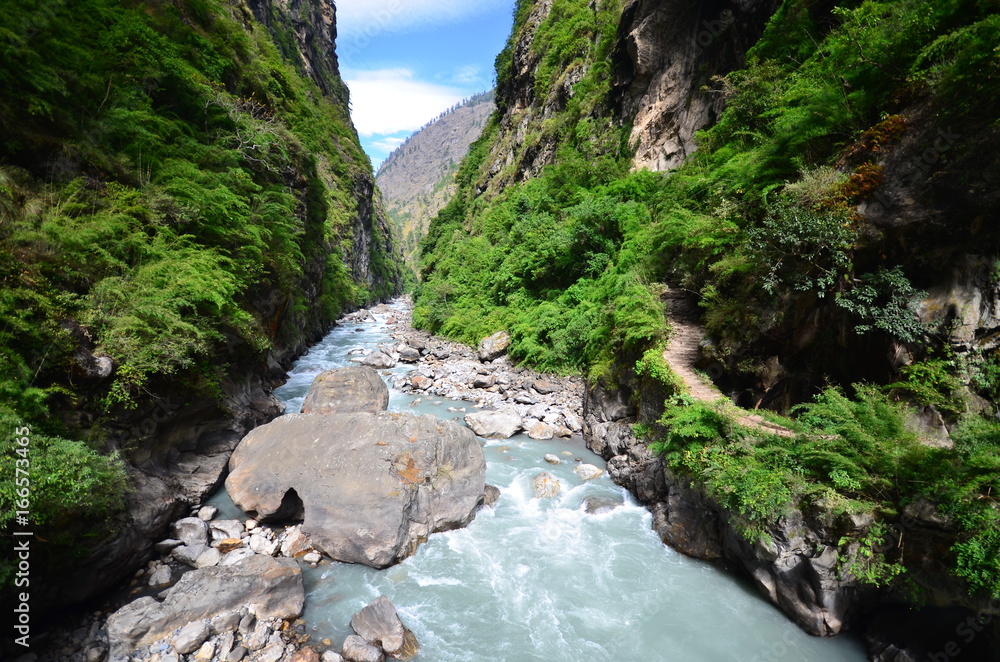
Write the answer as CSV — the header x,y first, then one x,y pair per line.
x,y
163,171
569,261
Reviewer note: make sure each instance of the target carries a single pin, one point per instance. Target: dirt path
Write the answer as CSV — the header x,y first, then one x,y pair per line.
x,y
682,355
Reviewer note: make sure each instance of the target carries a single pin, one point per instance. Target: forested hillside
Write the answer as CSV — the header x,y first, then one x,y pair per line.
x,y
828,197
418,178
183,206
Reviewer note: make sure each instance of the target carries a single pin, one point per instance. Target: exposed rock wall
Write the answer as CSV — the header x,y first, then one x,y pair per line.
x,y
665,57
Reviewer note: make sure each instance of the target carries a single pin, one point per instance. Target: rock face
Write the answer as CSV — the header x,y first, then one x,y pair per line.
x,y
666,53
346,391
370,487
272,588
494,424
493,347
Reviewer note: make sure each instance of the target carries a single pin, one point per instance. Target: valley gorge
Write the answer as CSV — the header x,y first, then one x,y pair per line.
x,y
745,251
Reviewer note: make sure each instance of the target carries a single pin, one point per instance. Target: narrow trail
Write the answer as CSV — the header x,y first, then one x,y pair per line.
x,y
682,355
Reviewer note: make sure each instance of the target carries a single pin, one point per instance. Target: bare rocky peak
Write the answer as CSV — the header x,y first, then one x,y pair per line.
x,y
418,178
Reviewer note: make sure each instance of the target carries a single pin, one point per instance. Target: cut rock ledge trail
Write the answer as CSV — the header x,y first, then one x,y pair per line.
x,y
682,355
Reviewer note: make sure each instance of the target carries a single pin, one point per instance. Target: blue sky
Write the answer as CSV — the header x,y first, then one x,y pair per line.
x,y
407,61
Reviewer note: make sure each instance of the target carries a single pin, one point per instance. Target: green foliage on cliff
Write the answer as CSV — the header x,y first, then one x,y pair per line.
x,y
174,195
762,222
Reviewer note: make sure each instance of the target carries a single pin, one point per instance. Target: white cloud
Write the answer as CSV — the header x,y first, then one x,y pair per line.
x,y
389,101
359,18
468,75
389,143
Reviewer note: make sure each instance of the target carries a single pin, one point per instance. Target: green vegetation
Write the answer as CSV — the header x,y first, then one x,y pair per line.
x,y
174,195
762,223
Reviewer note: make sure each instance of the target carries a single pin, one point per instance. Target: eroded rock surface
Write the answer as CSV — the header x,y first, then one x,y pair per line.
x,y
371,486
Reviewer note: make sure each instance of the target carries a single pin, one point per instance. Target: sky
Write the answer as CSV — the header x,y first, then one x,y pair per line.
x,y
407,61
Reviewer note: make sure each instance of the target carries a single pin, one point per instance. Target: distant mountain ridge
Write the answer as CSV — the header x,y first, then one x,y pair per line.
x,y
418,178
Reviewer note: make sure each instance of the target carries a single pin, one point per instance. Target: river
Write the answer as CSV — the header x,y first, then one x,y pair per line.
x,y
540,579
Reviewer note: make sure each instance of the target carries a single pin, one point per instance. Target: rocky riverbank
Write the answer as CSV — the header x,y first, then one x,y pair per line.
x,y
546,405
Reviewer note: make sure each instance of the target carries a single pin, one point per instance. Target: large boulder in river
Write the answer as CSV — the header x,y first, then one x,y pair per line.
x,y
369,487
346,391
493,347
494,424
271,588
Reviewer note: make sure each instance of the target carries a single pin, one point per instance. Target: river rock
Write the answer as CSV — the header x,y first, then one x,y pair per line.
x,y
161,577
539,430
546,485
208,558
544,387
356,649
191,637
330,656
272,588
379,625
226,529
347,390
483,381
598,505
371,486
421,382
295,543
379,360
408,354
552,459
207,513
494,424
188,554
491,495
192,531
587,471
493,347
573,421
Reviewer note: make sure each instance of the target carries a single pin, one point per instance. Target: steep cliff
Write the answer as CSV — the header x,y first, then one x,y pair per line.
x,y
830,210
181,217
418,178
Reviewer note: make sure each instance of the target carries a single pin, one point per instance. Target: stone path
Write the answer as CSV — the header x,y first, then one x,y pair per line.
x,y
682,355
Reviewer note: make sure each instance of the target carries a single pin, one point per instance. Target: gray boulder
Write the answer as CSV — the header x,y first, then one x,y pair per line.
x,y
494,424
345,391
191,637
192,531
379,360
493,347
356,649
370,487
408,354
379,625
271,588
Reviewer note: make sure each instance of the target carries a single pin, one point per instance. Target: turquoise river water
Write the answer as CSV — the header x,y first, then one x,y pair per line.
x,y
541,579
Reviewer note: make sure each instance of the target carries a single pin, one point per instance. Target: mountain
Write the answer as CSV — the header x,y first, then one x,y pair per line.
x,y
185,207
418,178
804,196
